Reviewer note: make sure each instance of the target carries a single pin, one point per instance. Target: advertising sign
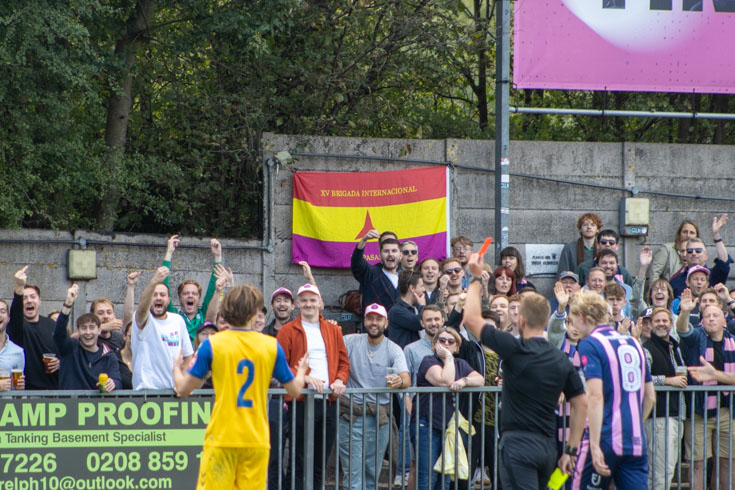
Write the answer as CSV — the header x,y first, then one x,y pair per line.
x,y
637,45
101,443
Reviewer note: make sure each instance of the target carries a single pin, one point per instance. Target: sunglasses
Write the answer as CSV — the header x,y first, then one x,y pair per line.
x,y
410,252
608,242
693,250
445,340
456,270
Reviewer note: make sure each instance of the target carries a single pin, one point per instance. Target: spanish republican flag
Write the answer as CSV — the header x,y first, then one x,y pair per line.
x,y
333,210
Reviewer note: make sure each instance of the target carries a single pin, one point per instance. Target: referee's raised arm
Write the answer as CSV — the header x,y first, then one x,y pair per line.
x,y
473,304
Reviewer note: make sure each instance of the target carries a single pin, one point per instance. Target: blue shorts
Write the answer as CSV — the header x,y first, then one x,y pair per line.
x,y
628,472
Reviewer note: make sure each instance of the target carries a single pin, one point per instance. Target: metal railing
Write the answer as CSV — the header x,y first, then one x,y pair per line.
x,y
365,453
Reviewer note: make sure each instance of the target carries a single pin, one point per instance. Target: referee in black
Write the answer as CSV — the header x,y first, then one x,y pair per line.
x,y
534,375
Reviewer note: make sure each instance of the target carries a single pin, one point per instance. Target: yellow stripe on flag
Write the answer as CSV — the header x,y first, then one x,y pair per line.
x,y
343,224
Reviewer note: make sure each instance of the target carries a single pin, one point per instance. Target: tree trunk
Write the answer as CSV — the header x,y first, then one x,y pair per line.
x,y
118,109
481,92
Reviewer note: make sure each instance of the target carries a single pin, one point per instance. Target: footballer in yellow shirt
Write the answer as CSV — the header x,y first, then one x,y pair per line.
x,y
242,362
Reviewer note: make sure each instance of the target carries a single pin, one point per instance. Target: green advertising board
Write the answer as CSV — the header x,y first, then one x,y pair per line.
x,y
101,442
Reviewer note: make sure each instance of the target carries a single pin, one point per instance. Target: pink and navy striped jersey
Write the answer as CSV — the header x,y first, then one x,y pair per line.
x,y
621,364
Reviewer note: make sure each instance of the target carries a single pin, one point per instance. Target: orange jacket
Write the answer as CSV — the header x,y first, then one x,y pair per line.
x,y
292,338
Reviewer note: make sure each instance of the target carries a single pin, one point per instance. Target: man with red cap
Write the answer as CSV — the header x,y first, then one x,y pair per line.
x,y
329,366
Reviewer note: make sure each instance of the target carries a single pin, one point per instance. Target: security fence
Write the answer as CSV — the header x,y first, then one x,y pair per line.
x,y
364,439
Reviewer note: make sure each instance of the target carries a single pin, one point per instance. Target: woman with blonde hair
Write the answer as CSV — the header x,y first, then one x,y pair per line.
x,y
667,260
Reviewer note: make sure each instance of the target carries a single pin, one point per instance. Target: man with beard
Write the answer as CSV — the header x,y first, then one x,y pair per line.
x,y
282,306
157,338
192,309
379,282
364,424
667,368
34,333
431,321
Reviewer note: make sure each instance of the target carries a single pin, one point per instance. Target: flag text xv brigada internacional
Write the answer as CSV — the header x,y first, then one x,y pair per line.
x,y
332,210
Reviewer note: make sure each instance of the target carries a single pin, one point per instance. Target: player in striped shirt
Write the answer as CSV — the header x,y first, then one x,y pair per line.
x,y
620,396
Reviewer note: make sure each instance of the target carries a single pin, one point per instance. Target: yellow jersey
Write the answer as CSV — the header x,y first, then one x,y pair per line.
x,y
242,364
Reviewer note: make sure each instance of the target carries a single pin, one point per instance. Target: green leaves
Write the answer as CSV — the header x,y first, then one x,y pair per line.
x,y
208,78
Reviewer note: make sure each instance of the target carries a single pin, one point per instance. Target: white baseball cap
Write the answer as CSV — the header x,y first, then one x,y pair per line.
x,y
308,288
376,309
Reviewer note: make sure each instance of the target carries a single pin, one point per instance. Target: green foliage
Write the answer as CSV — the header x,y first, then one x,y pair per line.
x,y
208,78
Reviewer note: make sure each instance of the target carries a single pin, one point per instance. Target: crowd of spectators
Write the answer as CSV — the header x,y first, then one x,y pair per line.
x,y
677,305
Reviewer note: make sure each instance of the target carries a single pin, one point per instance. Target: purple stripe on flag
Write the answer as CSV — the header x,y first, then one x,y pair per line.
x,y
337,254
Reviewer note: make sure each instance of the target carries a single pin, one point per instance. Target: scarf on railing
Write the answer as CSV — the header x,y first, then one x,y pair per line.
x,y
728,351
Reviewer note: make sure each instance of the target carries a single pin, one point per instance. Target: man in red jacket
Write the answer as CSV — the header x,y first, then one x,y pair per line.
x,y
329,367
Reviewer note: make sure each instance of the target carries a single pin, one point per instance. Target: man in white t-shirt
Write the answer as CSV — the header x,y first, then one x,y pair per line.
x,y
157,338
329,367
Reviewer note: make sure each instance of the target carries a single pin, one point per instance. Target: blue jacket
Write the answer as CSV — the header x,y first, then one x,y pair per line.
x,y
374,285
80,369
718,273
404,324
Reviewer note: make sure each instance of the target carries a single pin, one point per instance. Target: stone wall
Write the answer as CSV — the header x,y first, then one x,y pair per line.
x,y
542,211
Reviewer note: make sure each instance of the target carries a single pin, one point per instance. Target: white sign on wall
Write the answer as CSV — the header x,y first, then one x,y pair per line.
x,y
542,258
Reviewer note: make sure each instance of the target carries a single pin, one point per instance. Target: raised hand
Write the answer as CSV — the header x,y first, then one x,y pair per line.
x,y
20,279
687,302
562,296
475,264
160,274
371,235
718,225
71,295
172,244
637,328
624,326
306,268
722,292
216,247
645,257
133,277
224,274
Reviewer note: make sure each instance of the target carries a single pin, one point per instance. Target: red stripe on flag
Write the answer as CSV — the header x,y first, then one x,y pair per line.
x,y
370,189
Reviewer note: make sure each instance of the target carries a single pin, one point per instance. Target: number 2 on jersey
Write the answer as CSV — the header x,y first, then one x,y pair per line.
x,y
241,400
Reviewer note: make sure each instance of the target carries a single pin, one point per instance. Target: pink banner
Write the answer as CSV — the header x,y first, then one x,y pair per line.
x,y
636,45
